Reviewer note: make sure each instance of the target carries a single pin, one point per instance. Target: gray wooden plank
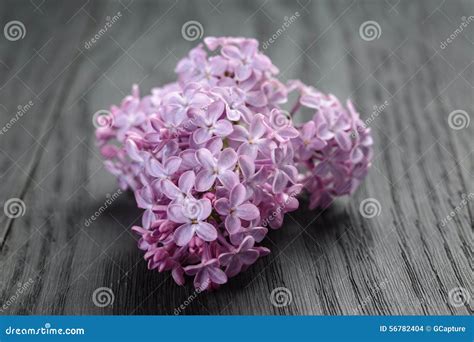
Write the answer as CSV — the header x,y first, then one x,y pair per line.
x,y
333,261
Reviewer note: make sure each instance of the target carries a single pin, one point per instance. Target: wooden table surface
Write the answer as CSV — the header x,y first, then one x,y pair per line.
x,y
406,82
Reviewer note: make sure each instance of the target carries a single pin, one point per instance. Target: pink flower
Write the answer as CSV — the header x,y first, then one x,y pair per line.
x,y
309,141
129,116
146,200
235,209
192,214
284,171
252,180
209,124
206,273
245,254
213,169
252,140
134,153
234,100
257,233
179,193
163,171
214,159
189,98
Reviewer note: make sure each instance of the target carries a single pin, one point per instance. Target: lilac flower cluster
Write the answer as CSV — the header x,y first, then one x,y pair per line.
x,y
333,150
213,159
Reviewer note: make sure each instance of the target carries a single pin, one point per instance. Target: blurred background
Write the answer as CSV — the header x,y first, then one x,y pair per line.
x,y
407,65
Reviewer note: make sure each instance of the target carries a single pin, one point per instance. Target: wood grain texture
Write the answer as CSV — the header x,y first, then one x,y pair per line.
x,y
403,261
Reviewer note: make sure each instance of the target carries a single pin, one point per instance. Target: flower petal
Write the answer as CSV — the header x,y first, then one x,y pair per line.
x,y
308,130
232,224
186,181
310,101
205,158
234,267
247,243
227,159
141,201
247,166
231,52
201,135
243,72
222,206
343,140
247,149
206,209
170,190
257,127
291,171
155,169
223,128
215,145
237,195
249,257
256,98
189,160
193,269
172,165
217,275
178,275
148,218
356,155
278,155
239,133
206,231
247,211
233,114
175,213
205,180
225,258
202,280
183,234
280,180
132,150
258,233
215,110
228,179
288,133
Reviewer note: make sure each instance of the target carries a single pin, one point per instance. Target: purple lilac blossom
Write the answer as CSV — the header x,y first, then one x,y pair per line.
x,y
214,160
